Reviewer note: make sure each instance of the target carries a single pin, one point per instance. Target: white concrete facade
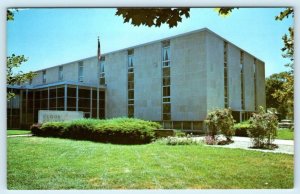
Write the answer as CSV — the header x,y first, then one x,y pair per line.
x,y
196,73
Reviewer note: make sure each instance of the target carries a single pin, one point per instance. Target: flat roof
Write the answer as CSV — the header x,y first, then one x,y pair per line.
x,y
155,41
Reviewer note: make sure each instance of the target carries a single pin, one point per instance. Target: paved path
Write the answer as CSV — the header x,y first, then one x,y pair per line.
x,y
284,146
23,135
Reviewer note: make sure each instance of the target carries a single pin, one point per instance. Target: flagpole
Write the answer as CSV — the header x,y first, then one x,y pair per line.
x,y
98,76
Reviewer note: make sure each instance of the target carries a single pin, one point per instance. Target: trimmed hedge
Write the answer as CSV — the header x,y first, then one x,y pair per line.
x,y
241,129
117,130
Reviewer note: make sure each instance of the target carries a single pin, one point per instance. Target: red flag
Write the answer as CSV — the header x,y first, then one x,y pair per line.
x,y
99,52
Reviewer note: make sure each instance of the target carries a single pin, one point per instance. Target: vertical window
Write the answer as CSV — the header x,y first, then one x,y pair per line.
x,y
225,76
166,55
130,68
166,81
44,77
254,79
102,71
60,73
242,80
80,71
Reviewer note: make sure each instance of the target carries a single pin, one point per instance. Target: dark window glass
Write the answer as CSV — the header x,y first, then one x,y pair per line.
x,y
130,110
167,108
102,81
60,92
52,103
71,102
53,93
166,100
83,93
130,77
166,117
131,101
130,94
101,95
72,92
166,81
60,102
84,103
166,72
130,85
166,91
187,125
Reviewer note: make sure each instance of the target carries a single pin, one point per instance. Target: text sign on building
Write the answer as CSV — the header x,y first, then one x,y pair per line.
x,y
55,116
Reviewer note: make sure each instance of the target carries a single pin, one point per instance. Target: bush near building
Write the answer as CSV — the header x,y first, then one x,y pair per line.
x,y
220,121
117,130
263,129
241,129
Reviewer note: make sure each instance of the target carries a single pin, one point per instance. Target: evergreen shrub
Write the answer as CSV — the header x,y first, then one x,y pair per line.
x,y
117,130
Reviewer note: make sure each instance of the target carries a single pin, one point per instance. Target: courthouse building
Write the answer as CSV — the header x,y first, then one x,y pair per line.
x,y
176,81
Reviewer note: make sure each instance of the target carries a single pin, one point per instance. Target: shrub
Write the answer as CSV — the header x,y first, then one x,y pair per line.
x,y
36,128
179,133
178,141
240,129
220,121
263,129
118,130
209,140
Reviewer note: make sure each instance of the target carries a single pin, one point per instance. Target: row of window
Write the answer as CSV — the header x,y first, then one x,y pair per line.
x,y
130,82
225,76
61,73
166,81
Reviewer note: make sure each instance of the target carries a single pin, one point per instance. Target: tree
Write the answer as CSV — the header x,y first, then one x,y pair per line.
x,y
153,16
13,62
157,16
276,83
287,94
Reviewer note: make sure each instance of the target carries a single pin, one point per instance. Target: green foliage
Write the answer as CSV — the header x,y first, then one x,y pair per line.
x,y
179,133
117,130
220,121
241,129
225,11
15,61
275,84
263,129
10,15
153,16
285,14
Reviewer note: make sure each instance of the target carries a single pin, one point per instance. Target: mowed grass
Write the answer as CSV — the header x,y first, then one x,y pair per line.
x,y
53,163
18,132
286,134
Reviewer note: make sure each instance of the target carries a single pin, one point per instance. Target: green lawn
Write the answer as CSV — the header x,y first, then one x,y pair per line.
x,y
53,163
18,132
285,134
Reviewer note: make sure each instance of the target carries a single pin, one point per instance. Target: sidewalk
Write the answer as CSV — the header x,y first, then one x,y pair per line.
x,y
284,146
24,135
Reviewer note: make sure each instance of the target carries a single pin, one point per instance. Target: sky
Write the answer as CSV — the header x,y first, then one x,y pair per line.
x,y
54,36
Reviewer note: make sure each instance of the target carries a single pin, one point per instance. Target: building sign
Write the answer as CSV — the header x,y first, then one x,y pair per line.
x,y
55,116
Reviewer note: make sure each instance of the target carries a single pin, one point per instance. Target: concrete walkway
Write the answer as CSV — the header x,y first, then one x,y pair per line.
x,y
24,135
284,146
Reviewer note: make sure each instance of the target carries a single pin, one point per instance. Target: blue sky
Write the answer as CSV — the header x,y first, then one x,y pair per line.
x,y
53,36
